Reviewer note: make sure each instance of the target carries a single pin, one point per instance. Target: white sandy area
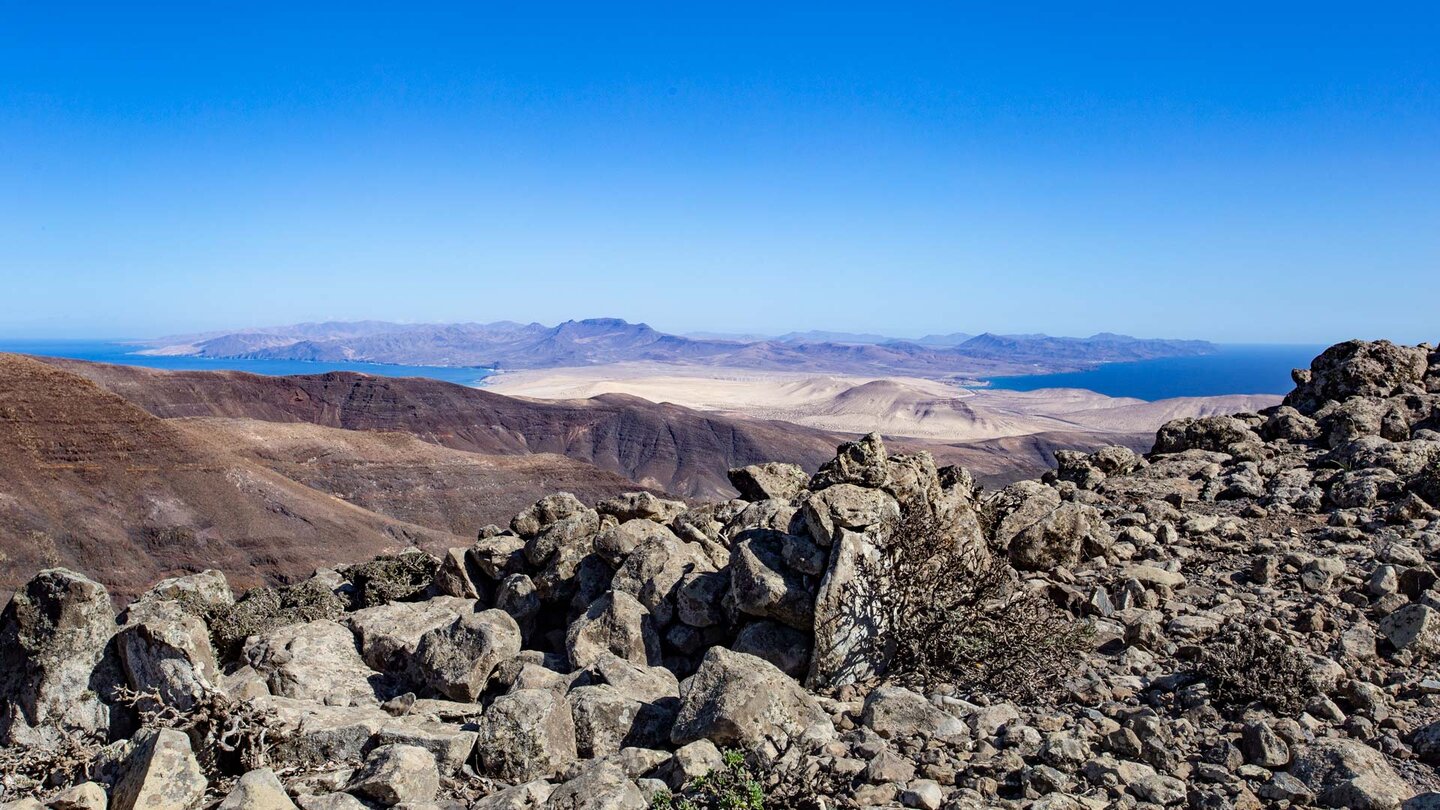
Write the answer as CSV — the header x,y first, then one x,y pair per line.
x,y
894,406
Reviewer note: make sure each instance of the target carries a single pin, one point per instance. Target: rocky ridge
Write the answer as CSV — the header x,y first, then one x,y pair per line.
x,y
1260,591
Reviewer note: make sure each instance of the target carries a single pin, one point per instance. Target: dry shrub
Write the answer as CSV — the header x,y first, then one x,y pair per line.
x,y
957,617
230,737
1246,664
263,609
391,578
32,772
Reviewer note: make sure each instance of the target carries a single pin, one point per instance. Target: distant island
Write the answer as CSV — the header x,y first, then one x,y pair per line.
x,y
596,341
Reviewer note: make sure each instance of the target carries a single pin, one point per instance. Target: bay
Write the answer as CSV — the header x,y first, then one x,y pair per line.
x,y
124,354
1234,369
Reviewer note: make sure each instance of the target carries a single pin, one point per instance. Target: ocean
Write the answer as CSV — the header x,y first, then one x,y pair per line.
x,y
123,354
1234,369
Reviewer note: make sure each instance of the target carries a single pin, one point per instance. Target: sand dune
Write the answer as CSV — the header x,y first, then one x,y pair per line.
x,y
894,406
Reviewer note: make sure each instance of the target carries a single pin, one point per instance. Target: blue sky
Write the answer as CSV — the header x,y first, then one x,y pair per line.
x,y
1240,172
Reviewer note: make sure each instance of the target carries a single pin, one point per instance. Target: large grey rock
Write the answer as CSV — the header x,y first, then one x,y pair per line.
x,y
603,786
574,531
398,774
607,720
738,699
461,575
1358,368
1040,532
781,645
52,637
1413,627
851,633
544,512
615,543
166,651
160,774
258,790
764,586
847,506
315,661
207,590
1348,773
1217,434
760,482
895,713
860,462
388,634
646,684
641,506
653,571
527,734
456,660
615,623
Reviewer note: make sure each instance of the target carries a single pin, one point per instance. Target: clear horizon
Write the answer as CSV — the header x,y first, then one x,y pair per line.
x,y
1233,174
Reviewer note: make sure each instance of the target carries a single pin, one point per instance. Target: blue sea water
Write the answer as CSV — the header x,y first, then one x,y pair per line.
x,y
124,354
1234,369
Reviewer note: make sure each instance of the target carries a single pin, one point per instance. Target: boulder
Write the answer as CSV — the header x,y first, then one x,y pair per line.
x,y
398,774
1358,368
616,623
542,513
53,635
526,734
846,506
461,575
615,543
258,790
653,572
781,645
202,592
607,720
641,506
603,786
897,713
860,462
160,772
1216,434
315,661
1349,773
84,796
388,634
498,556
1413,627
740,700
575,531
759,482
850,632
165,650
456,660
764,586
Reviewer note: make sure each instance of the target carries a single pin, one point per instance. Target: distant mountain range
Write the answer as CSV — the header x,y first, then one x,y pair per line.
x,y
510,345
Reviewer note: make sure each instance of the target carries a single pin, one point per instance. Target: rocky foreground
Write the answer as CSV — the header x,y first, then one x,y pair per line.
x,y
1257,598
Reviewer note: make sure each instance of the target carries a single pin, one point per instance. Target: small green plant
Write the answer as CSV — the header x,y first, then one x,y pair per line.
x,y
732,786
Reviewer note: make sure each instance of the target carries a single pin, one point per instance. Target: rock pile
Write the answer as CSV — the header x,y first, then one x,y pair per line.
x,y
1262,590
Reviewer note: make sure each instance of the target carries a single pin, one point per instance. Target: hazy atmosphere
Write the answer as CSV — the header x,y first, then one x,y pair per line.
x,y
1226,174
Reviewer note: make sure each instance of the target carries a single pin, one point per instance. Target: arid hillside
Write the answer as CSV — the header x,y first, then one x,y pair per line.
x,y
666,447
91,482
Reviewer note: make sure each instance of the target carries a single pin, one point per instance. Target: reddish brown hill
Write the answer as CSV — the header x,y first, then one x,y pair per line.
x,y
664,446
91,482
398,475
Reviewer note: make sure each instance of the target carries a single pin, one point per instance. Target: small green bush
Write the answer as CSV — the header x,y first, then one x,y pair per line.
x,y
733,786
